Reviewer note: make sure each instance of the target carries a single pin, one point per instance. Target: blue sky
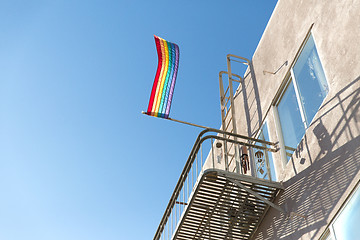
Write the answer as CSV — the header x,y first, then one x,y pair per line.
x,y
78,160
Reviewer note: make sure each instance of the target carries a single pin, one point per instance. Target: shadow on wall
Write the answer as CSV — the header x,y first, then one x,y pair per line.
x,y
317,189
251,98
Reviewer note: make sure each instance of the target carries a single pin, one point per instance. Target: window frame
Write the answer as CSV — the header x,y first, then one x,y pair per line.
x,y
298,96
329,231
290,78
327,235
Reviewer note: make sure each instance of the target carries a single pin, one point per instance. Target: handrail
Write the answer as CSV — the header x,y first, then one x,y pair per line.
x,y
192,156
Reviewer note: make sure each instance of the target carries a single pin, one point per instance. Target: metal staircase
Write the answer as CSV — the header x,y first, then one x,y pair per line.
x,y
210,202
219,194
226,206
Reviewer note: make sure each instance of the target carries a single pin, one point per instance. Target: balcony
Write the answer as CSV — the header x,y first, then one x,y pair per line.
x,y
223,194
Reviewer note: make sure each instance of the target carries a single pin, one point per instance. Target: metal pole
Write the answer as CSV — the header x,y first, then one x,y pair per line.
x,y
196,161
212,153
201,159
281,141
192,176
187,192
231,91
176,219
179,121
223,108
184,194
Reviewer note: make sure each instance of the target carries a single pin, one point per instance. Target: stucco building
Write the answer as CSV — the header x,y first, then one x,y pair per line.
x,y
300,95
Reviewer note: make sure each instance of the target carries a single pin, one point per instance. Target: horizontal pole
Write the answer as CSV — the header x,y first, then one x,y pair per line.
x,y
218,131
179,121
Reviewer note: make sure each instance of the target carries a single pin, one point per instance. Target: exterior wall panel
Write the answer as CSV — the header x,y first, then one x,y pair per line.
x,y
326,165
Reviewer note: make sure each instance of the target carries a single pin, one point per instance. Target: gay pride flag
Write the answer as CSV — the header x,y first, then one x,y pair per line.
x,y
165,78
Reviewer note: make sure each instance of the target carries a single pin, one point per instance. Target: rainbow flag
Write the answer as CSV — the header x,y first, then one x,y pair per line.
x,y
165,78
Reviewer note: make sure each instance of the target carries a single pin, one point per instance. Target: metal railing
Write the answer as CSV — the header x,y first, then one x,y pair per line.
x,y
220,147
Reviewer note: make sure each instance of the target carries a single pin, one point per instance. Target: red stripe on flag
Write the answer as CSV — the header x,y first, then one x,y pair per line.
x,y
153,91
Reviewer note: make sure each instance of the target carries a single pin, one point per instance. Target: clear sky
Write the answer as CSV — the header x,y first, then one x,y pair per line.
x,y
78,160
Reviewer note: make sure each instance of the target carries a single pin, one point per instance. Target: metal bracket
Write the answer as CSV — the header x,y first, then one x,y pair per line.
x,y
273,73
277,207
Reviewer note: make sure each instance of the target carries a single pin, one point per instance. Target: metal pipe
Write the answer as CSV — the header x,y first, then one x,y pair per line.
x,y
212,153
237,150
223,104
242,58
283,156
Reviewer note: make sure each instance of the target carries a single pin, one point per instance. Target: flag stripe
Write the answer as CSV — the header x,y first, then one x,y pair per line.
x,y
173,80
155,104
162,104
158,102
165,78
153,91
169,80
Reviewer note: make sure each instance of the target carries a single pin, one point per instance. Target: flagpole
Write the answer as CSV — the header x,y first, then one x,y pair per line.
x,y
179,121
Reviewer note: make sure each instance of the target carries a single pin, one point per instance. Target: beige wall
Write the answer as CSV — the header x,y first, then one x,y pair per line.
x,y
326,165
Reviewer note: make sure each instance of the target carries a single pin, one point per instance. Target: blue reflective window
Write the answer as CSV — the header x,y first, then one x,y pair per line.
x,y
346,225
290,118
310,79
303,96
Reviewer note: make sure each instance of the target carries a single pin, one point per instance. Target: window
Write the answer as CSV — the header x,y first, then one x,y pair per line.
x,y
306,89
346,224
291,123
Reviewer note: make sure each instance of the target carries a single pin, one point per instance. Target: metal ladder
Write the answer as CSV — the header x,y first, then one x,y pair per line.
x,y
232,152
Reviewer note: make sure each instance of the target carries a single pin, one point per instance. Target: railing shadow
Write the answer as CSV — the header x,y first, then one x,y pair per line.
x,y
320,179
249,88
251,101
